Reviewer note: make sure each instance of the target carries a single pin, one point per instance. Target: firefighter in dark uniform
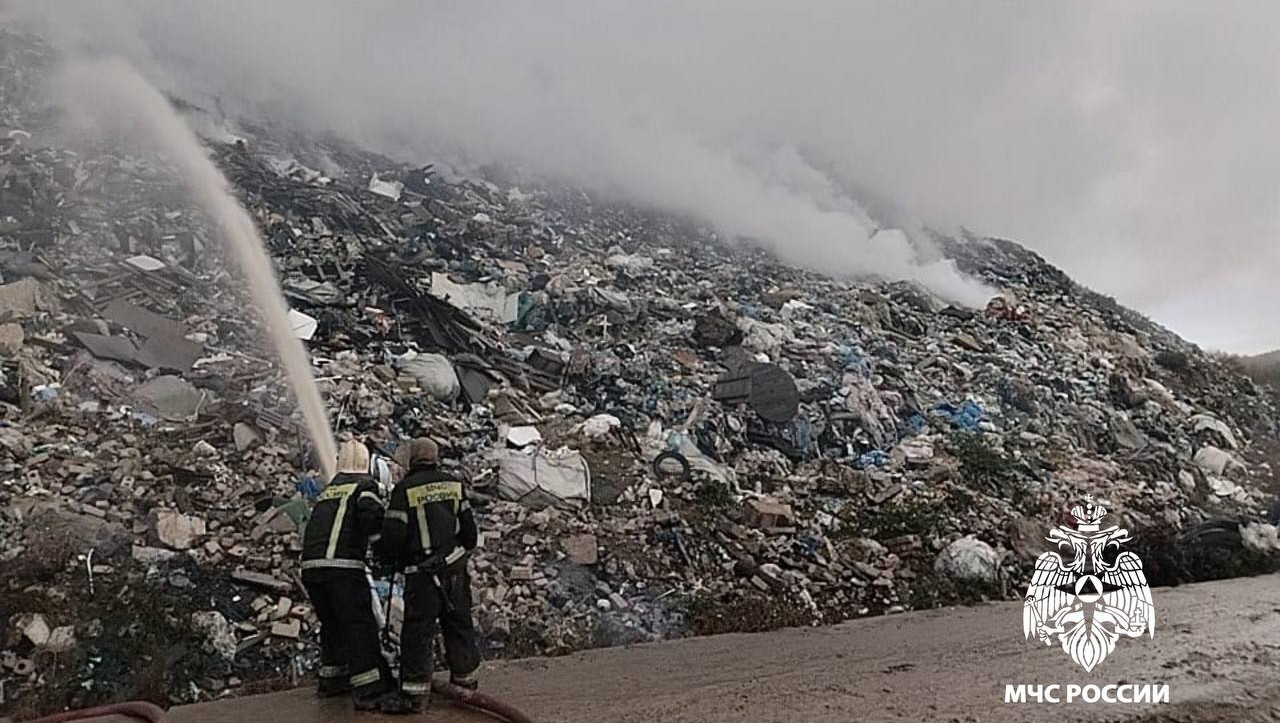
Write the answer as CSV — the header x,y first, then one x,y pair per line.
x,y
428,531
346,519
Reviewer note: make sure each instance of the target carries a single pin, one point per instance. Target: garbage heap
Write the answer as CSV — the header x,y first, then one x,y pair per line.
x,y
665,433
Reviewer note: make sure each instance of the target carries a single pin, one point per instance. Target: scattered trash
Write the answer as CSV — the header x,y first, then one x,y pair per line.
x,y
523,436
486,300
386,189
968,416
732,427
769,390
219,636
45,392
874,458
434,373
145,263
303,326
670,464
34,628
600,426
538,478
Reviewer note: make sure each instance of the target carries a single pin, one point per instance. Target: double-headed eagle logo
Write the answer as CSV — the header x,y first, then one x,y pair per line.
x,y
1093,596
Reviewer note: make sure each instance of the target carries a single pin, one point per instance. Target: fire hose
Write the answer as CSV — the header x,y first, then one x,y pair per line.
x,y
478,701
456,694
139,710
153,714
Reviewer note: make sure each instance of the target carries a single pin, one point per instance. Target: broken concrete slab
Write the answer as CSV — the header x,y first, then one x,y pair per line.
x,y
523,436
23,298
246,436
969,342
386,189
1215,461
581,549
61,639
1223,487
290,629
169,397
917,452
170,353
143,322
261,580
152,555
11,339
633,263
275,520
1205,423
179,531
769,513
114,348
34,628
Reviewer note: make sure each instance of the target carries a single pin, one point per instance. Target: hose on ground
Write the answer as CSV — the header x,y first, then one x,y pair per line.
x,y
479,701
139,710
153,714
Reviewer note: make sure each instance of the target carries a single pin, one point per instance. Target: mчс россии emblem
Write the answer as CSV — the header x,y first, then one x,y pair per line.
x,y
1090,596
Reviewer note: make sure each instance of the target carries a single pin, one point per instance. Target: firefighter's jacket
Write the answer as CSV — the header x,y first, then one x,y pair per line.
x,y
346,519
429,519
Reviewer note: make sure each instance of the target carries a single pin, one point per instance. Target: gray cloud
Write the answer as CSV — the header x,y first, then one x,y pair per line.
x,y
1128,142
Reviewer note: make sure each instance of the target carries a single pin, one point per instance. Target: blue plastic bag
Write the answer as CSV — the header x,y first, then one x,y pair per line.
x,y
310,487
967,416
874,458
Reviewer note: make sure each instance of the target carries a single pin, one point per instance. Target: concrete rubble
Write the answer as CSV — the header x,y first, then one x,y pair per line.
x,y
830,448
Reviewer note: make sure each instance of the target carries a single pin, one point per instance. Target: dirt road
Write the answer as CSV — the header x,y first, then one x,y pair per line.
x,y
1217,645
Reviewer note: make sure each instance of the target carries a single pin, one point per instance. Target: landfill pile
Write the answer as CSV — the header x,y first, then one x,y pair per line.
x,y
664,433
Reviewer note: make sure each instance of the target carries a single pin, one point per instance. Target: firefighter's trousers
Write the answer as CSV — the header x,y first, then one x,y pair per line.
x,y
440,599
348,630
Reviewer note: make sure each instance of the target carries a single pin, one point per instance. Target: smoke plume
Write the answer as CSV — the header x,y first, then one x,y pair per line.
x,y
1128,142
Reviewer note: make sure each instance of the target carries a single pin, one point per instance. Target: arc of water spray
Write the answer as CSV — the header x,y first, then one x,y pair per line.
x,y
113,90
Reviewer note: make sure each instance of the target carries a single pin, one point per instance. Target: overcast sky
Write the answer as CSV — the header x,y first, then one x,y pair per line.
x,y
1132,143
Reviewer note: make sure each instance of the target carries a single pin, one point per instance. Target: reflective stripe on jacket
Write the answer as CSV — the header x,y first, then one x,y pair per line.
x,y
429,513
346,518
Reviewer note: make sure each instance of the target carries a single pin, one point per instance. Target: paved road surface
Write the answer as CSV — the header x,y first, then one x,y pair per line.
x,y
1217,645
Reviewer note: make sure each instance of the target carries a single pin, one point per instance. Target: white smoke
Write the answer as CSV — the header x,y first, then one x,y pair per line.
x,y
419,93
1128,142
